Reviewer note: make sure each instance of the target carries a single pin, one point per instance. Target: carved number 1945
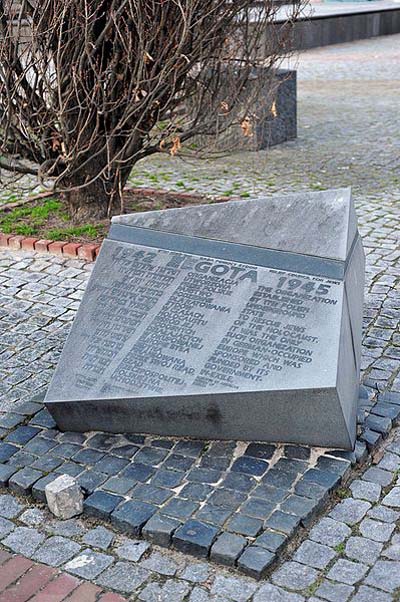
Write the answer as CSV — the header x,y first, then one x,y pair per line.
x,y
309,287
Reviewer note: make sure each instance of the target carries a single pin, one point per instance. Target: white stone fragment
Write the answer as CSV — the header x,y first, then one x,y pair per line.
x,y
64,497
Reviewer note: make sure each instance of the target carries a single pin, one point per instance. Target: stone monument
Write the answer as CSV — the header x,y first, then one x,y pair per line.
x,y
238,320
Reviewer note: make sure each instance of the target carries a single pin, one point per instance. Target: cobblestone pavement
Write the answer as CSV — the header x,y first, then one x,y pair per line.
x,y
354,551
348,133
22,579
351,553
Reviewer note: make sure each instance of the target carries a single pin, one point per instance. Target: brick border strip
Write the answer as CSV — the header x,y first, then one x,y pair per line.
x,y
72,250
23,579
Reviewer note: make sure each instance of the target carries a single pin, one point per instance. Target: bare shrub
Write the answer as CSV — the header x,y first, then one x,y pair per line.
x,y
90,87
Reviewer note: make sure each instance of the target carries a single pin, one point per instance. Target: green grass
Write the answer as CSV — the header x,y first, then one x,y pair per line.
x,y
340,548
70,231
342,493
31,221
15,220
9,198
22,230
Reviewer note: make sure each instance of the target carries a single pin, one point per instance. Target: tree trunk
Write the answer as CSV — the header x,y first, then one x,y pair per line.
x,y
98,200
90,203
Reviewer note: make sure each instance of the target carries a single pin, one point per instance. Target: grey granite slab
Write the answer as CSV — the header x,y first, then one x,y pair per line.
x,y
179,343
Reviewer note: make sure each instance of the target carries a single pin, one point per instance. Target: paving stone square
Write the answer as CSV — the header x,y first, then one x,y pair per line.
x,y
314,554
334,592
123,577
56,551
89,564
347,571
363,550
24,540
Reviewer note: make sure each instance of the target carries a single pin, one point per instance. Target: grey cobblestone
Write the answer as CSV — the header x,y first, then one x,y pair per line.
x,y
383,513
369,594
161,564
227,548
330,532
6,526
123,577
233,588
56,551
314,554
375,530
347,571
99,538
378,475
88,564
24,540
171,590
271,593
385,575
132,550
334,592
392,499
293,575
255,561
362,549
393,550
366,491
9,506
195,573
350,511
66,528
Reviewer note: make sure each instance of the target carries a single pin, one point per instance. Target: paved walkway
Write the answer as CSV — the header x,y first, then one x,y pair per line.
x,y
21,580
349,134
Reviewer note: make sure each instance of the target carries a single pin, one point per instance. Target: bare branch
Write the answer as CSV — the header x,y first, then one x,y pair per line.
x,y
18,168
90,87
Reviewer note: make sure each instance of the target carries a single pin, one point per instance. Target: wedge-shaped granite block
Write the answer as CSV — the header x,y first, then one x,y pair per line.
x,y
238,320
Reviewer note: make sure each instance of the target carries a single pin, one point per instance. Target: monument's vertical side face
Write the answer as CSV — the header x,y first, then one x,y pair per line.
x,y
350,337
193,326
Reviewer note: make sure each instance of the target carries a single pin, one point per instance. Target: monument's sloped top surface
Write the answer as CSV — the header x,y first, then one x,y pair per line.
x,y
321,224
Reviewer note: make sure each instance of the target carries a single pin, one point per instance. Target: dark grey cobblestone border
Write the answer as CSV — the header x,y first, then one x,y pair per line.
x,y
239,504
352,553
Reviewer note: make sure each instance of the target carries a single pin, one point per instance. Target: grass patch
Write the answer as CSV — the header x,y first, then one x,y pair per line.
x,y
343,493
340,548
46,220
27,220
72,232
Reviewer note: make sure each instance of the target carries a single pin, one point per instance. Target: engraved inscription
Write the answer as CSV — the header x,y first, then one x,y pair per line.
x,y
172,323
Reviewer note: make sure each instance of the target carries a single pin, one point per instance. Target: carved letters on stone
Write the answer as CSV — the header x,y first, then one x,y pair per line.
x,y
201,335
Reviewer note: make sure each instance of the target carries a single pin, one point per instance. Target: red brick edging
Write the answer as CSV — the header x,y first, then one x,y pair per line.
x,y
22,580
87,252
